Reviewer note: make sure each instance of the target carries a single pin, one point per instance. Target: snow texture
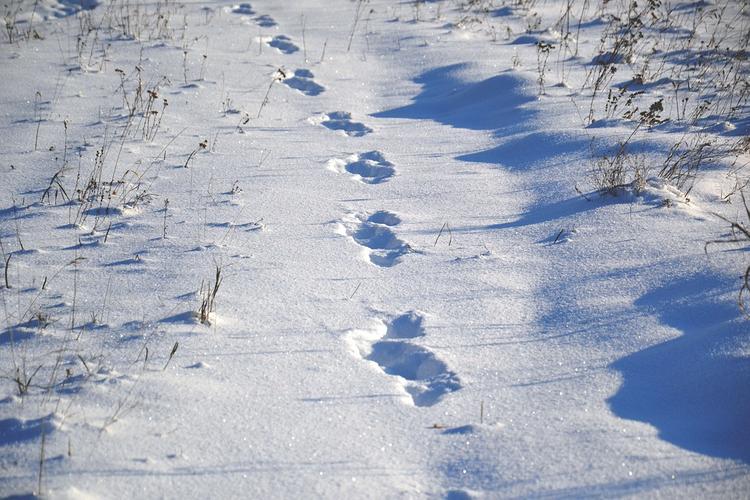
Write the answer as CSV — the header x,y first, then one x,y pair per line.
x,y
336,249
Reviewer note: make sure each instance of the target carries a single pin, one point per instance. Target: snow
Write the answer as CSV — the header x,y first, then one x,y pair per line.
x,y
422,292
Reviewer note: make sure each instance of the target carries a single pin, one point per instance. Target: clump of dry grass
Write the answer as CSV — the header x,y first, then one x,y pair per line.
x,y
208,294
203,145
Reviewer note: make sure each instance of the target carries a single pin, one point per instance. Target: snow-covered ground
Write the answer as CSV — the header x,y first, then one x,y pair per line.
x,y
430,282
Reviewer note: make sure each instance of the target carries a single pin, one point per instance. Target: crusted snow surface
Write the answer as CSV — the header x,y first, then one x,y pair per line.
x,y
327,248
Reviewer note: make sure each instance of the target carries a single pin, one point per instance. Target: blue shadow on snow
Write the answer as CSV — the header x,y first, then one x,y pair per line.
x,y
491,104
690,388
528,149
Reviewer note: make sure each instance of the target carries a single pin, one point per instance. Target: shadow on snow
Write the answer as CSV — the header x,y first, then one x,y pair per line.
x,y
691,388
491,104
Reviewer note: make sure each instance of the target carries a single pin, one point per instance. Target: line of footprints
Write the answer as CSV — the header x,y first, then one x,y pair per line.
x,y
419,373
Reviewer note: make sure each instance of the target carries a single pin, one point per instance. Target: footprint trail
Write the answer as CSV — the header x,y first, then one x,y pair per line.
x,y
370,167
375,235
284,44
342,120
303,82
265,21
419,371
244,9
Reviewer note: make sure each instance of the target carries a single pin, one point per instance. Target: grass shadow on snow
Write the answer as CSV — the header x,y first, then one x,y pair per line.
x,y
692,389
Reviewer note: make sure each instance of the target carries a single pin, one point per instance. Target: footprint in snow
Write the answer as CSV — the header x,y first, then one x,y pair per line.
x,y
265,21
376,237
283,44
243,9
421,373
370,167
303,81
342,120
